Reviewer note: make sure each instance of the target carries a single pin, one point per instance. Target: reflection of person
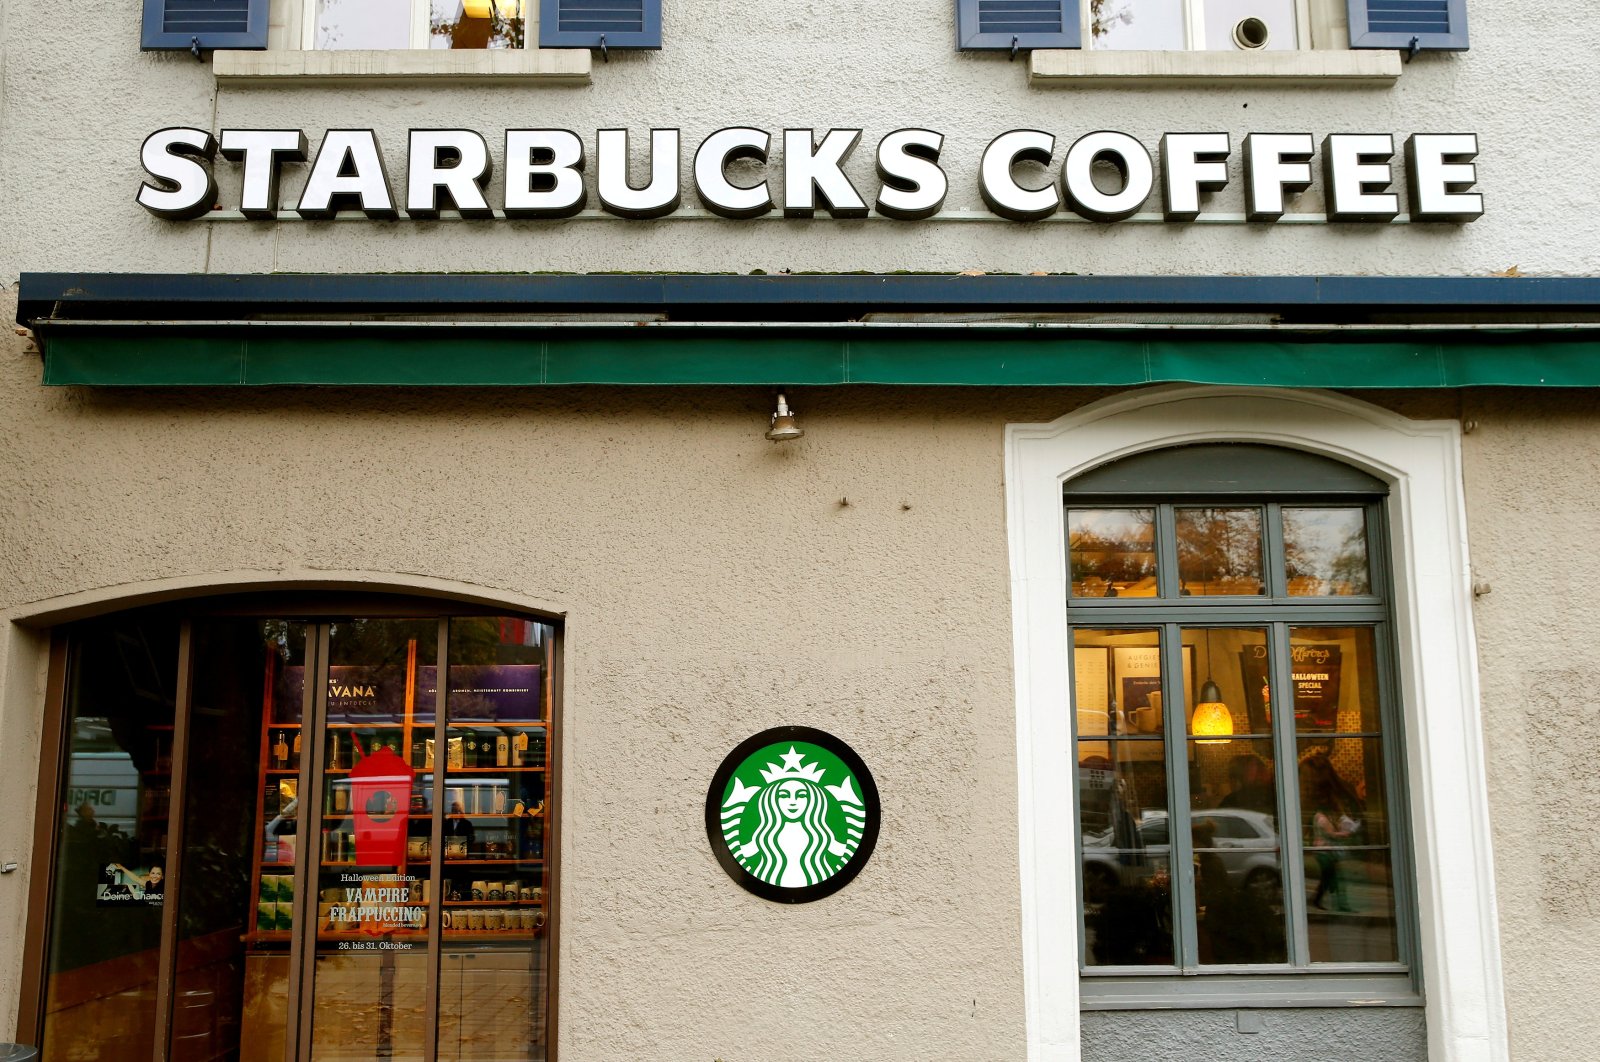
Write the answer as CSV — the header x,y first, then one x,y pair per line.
x,y
458,826
1332,804
1252,786
1327,829
792,835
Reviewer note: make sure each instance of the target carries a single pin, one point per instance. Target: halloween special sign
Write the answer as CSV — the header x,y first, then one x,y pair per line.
x,y
792,814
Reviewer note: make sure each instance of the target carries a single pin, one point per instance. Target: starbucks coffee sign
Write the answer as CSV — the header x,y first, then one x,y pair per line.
x,y
792,814
1018,175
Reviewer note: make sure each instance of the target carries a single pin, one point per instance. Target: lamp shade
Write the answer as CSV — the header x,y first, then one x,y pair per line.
x,y
1211,719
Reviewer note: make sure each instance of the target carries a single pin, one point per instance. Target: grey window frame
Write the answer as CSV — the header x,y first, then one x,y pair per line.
x,y
1272,479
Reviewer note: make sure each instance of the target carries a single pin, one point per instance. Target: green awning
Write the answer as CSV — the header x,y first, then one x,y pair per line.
x,y
267,354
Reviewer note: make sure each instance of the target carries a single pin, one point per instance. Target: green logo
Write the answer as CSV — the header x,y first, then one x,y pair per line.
x,y
792,814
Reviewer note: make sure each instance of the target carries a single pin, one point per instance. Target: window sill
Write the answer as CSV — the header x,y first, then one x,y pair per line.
x,y
1062,67
543,65
1250,992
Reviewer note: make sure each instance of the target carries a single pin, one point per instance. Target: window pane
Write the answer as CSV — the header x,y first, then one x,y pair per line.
x,y
373,881
475,24
493,978
111,863
1155,25
363,24
1235,776
1122,797
1117,682
1335,680
1219,552
1343,778
1350,905
1127,907
1238,873
1112,552
1234,661
1325,552
239,850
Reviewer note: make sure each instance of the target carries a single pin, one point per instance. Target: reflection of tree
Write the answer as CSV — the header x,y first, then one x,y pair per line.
x,y
502,29
1311,553
1117,555
1220,545
1102,18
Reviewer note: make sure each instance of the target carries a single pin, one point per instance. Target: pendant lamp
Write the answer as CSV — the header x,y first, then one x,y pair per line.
x,y
1212,722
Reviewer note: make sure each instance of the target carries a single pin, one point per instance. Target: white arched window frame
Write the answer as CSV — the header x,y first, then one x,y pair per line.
x,y
1437,678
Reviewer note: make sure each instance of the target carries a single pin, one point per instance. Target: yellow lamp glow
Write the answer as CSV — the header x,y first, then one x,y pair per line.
x,y
490,8
1211,719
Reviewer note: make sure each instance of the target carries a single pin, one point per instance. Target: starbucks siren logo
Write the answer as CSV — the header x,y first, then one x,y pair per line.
x,y
792,814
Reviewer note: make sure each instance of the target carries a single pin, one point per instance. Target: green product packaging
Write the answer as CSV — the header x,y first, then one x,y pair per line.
x,y
286,888
266,917
285,916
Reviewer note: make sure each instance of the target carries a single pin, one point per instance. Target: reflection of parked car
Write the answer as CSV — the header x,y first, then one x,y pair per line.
x,y
1106,867
1247,844
1244,842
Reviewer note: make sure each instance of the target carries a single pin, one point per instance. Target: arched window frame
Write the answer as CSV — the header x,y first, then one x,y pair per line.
x,y
1458,945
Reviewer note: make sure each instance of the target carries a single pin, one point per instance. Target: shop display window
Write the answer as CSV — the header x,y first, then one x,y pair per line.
x,y
1238,764
313,837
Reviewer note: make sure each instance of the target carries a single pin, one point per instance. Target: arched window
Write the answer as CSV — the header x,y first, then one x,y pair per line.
x,y
296,826
1240,802
1236,529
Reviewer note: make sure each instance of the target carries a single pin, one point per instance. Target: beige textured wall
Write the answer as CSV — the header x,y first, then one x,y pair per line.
x,y
1531,470
715,585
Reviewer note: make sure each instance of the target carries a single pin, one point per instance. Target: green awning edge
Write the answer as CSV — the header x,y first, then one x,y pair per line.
x,y
156,355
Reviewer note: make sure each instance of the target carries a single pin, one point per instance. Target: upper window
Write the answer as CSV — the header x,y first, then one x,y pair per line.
x,y
392,25
381,24
1234,725
1212,25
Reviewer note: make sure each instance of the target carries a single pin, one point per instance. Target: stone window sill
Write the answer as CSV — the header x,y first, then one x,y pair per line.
x,y
542,65
1060,67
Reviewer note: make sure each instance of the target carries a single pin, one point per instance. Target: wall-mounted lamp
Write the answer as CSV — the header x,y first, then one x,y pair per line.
x,y
783,425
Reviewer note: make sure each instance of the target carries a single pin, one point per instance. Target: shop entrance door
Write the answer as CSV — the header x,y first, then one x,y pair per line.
x,y
358,835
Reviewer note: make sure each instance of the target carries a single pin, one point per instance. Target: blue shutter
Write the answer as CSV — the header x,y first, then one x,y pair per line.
x,y
1014,24
599,23
193,25
1409,25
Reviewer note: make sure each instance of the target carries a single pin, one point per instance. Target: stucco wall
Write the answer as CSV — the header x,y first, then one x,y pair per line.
x,y
70,168
714,585
1530,470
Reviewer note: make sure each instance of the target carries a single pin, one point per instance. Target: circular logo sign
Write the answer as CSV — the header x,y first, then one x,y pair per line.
x,y
792,814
